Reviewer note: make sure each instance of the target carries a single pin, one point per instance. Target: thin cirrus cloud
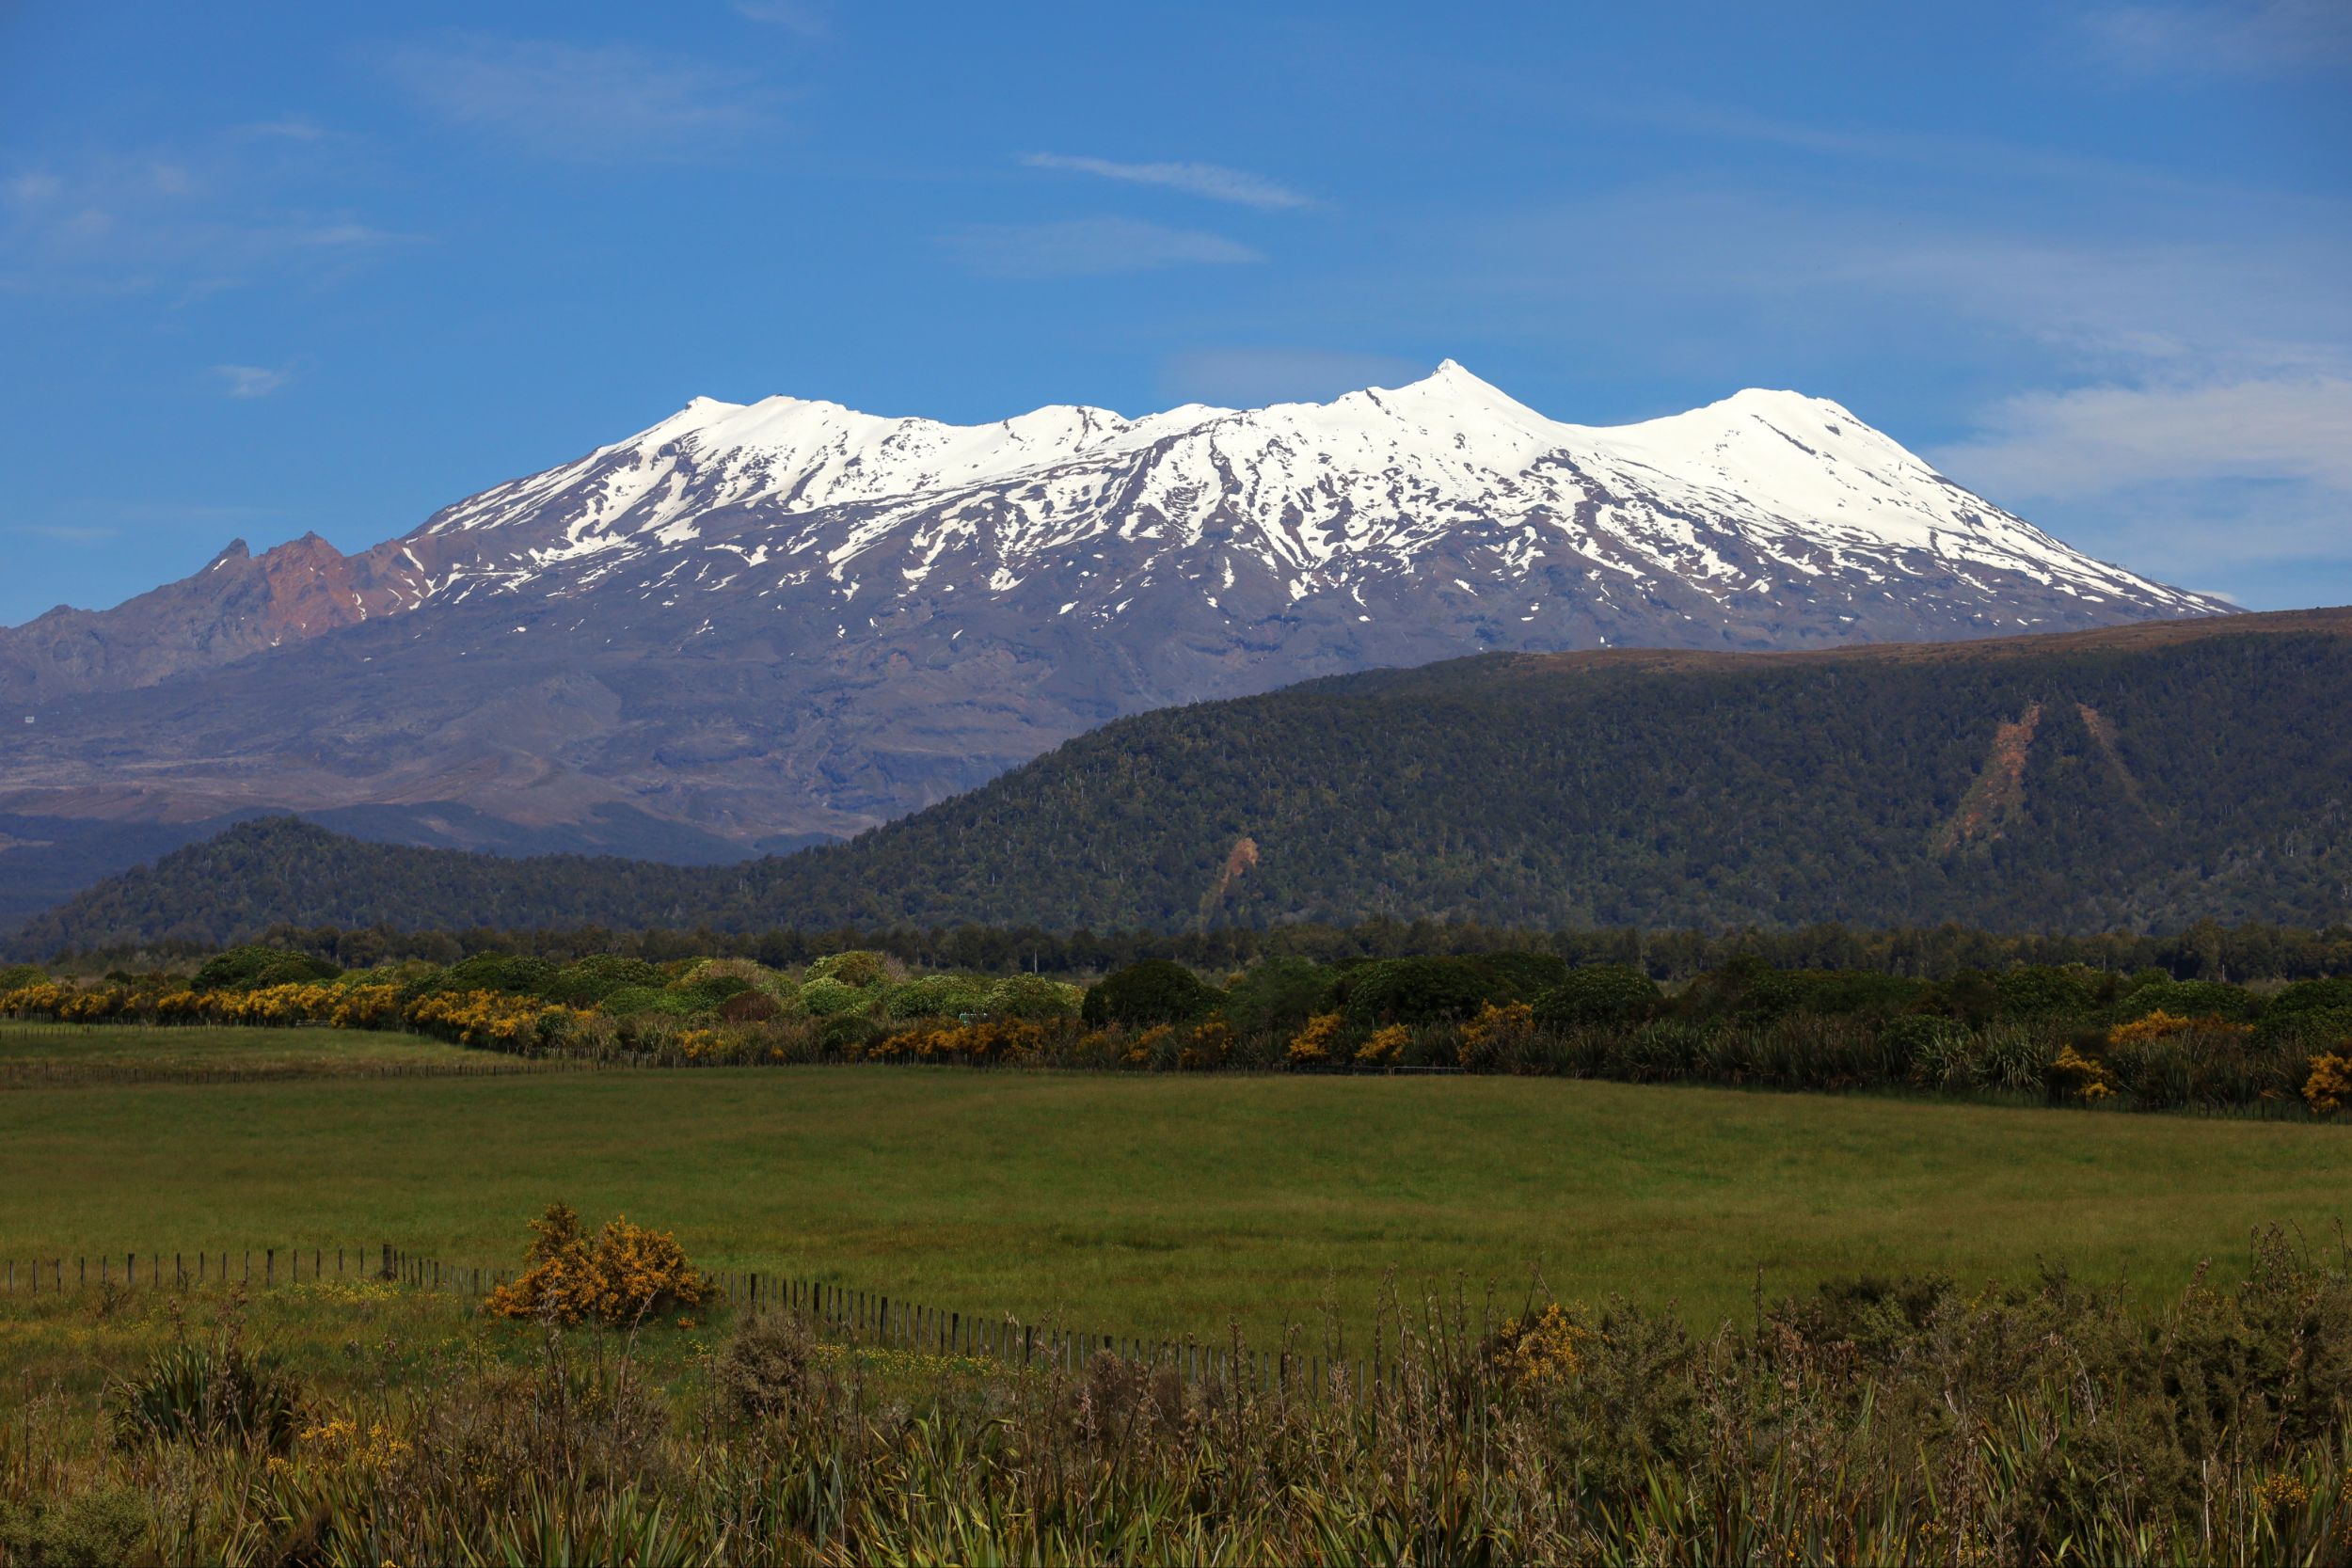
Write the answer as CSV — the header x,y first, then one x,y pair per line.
x,y
586,102
2091,439
1084,247
793,15
250,381
1212,181
199,217
2264,37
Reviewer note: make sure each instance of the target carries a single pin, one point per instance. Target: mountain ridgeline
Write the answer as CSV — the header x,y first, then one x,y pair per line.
x,y
751,626
2135,778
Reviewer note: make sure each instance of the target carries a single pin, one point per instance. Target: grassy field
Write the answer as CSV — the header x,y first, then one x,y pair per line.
x,y
1164,1203
69,1052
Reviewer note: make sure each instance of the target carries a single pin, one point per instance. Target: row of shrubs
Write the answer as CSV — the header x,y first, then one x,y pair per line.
x,y
737,990
2068,1033
1873,1421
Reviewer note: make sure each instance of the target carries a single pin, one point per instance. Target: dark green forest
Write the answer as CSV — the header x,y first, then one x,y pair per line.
x,y
2114,782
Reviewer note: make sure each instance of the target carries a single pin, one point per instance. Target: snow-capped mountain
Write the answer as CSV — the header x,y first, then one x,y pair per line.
x,y
786,616
1750,506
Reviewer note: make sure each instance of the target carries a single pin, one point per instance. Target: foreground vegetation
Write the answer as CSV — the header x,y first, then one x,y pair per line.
x,y
1888,1421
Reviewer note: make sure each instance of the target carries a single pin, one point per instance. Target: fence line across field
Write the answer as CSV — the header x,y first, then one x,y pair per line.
x,y
865,1317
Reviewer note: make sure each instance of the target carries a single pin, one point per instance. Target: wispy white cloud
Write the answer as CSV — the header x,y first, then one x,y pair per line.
x,y
1250,378
2255,38
204,216
799,16
2162,382
251,380
2089,440
589,102
1213,181
1077,247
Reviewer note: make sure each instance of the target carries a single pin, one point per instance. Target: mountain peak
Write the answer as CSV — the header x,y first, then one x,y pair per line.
x,y
1453,387
803,619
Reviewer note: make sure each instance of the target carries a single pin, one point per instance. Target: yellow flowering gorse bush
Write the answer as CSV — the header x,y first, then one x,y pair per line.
x,y
1315,1044
1541,1354
2330,1086
624,1274
2086,1076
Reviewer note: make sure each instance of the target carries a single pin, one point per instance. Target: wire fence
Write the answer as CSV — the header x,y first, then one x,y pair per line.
x,y
865,1319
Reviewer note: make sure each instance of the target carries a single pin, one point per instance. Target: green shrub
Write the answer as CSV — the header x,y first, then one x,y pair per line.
x,y
828,997
14,975
704,993
253,966
846,1032
1420,991
854,968
1279,996
2315,1011
630,1001
95,1529
588,982
2042,991
755,975
2305,996
938,996
749,1006
511,973
1843,993
1033,997
2187,999
1151,992
1525,975
1597,994
2320,1028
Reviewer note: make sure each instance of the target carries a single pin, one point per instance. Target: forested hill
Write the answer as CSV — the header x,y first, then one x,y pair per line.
x,y
2141,777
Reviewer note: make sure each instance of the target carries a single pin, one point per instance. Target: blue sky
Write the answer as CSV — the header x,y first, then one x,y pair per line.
x,y
271,269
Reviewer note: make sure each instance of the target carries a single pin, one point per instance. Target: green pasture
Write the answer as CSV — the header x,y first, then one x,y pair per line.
x,y
1155,1204
100,1052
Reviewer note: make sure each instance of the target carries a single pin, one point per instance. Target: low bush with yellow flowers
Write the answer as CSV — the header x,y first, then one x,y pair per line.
x,y
1317,1042
622,1276
493,1020
1207,1047
1538,1355
1498,1035
2329,1085
2080,1077
1386,1047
